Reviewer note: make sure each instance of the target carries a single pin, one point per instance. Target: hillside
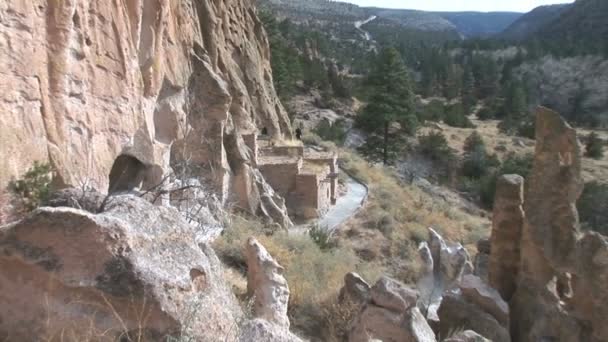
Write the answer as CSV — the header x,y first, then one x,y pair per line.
x,y
530,23
583,27
480,24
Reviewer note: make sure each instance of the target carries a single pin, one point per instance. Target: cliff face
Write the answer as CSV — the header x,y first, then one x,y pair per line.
x,y
163,82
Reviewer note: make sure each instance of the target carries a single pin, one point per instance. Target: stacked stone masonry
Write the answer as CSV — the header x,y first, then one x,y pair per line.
x,y
307,179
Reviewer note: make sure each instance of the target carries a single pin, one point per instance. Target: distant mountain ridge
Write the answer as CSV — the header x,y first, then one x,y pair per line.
x,y
461,24
480,24
531,22
583,27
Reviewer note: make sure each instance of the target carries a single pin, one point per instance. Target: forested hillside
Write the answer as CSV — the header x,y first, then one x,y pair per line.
x,y
531,22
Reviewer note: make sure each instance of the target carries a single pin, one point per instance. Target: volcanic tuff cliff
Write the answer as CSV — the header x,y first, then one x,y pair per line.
x,y
159,83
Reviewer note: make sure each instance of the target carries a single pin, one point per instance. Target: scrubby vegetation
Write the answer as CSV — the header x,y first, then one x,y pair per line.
x,y
34,188
593,207
594,147
314,270
334,132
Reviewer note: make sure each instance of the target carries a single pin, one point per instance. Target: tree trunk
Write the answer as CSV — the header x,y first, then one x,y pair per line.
x,y
386,126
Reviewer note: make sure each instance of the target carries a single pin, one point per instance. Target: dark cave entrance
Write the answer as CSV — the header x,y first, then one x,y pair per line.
x,y
127,174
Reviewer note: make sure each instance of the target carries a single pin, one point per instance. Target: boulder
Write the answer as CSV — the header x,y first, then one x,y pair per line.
x,y
260,330
467,336
266,285
355,289
457,313
476,291
392,295
135,270
386,325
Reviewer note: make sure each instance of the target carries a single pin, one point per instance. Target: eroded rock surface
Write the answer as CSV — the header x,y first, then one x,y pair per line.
x,y
467,336
444,263
135,269
355,289
95,86
391,315
558,293
266,285
456,312
261,330
507,222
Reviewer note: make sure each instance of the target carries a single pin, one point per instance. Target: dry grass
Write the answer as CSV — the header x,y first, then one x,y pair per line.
x,y
402,213
314,275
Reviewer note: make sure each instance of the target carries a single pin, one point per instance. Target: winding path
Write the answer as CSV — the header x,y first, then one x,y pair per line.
x,y
346,206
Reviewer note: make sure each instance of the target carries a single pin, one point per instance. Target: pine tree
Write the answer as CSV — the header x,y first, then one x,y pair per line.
x,y
594,147
391,102
468,90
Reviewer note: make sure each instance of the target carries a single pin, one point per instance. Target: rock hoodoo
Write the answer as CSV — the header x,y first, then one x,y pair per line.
x,y
145,87
268,289
557,286
444,263
266,285
507,222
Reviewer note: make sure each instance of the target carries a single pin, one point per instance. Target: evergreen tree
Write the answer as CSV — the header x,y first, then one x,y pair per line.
x,y
594,147
391,102
468,90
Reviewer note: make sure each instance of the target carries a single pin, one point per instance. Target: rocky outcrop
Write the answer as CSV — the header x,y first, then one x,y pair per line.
x,y
477,307
444,263
507,222
481,264
476,291
467,336
355,289
456,312
391,315
134,270
118,94
261,330
559,293
266,285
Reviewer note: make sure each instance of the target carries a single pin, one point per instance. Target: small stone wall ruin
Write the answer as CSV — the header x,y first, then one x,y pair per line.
x,y
308,180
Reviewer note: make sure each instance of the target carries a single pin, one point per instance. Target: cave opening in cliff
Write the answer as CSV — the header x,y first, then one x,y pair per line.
x,y
127,174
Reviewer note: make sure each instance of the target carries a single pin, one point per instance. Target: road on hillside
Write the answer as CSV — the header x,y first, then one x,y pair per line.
x,y
359,24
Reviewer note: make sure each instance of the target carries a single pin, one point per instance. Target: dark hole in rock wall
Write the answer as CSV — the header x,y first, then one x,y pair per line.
x,y
127,174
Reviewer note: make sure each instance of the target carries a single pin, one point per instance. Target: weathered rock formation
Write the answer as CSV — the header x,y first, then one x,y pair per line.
x,y
118,94
266,285
467,336
355,289
481,264
475,306
444,263
270,294
135,270
260,330
391,314
560,291
507,222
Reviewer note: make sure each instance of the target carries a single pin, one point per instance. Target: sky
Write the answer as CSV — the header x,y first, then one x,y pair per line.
x,y
461,5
